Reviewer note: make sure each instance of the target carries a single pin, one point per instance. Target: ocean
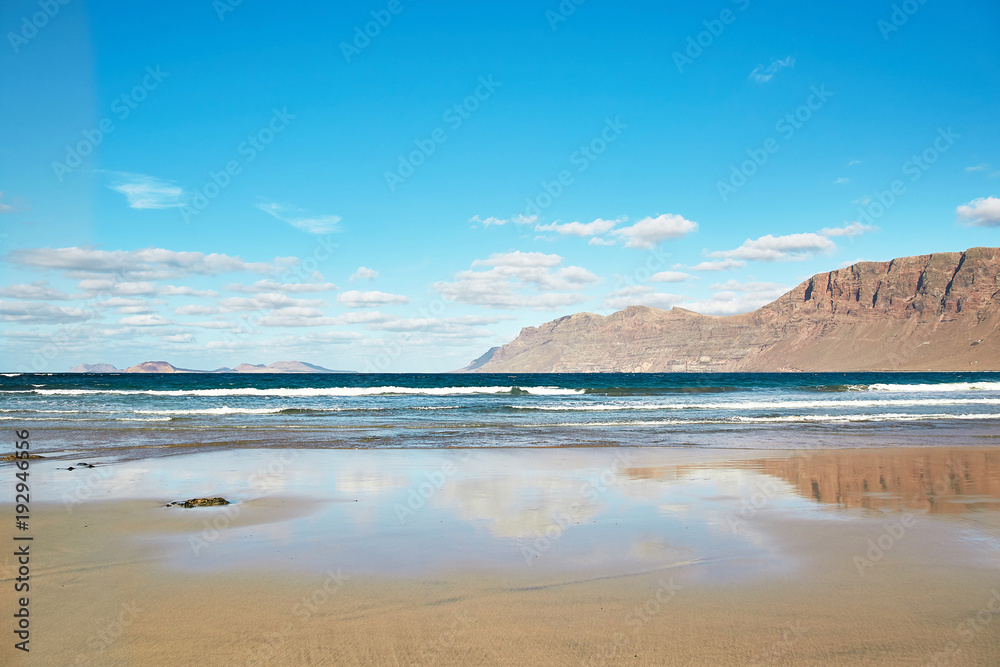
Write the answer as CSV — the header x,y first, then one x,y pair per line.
x,y
139,415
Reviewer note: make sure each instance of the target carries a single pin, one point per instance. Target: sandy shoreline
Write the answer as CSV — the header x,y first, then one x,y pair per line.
x,y
683,557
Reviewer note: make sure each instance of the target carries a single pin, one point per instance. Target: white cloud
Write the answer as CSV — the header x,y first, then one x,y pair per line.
x,y
532,268
196,310
29,312
649,231
38,291
582,229
791,247
126,305
174,290
599,241
504,284
520,219
144,321
723,265
356,299
209,325
502,296
519,260
669,277
264,301
842,180
152,263
364,273
284,288
762,74
296,317
296,217
307,344
850,230
107,286
735,286
362,317
144,191
853,162
454,327
737,297
978,167
982,212
641,295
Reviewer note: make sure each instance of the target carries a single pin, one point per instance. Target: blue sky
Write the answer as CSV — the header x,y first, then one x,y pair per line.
x,y
216,183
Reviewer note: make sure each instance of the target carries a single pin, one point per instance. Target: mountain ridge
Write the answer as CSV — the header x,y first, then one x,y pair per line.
x,y
927,312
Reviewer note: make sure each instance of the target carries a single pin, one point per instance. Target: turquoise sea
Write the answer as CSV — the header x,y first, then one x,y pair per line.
x,y
138,415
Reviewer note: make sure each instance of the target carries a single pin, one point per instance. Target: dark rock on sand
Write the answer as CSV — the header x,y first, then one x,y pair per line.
x,y
199,502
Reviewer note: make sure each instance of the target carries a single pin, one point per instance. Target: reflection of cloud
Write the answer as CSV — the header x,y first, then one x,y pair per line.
x,y
516,507
359,481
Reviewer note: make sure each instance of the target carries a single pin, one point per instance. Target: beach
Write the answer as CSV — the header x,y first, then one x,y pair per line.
x,y
504,556
570,333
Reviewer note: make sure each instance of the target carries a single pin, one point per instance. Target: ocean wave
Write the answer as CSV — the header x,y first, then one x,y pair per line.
x,y
655,391
944,386
758,405
775,419
84,419
317,392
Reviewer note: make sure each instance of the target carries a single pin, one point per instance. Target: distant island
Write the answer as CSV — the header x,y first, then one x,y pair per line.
x,y
165,367
937,312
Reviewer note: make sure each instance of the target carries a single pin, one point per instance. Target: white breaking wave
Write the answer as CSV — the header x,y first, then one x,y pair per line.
x,y
945,386
762,405
224,410
77,419
311,391
796,419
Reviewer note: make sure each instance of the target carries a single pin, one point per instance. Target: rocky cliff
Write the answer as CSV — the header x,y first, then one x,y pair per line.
x,y
929,312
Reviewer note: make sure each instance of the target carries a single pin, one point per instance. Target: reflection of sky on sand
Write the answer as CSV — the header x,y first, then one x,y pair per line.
x,y
623,510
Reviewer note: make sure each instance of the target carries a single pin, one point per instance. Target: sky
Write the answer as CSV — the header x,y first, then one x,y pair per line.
x,y
397,186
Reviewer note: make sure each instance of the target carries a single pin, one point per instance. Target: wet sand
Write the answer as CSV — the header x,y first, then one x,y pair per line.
x,y
601,556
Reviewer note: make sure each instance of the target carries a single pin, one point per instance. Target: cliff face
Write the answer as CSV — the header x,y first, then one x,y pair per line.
x,y
929,312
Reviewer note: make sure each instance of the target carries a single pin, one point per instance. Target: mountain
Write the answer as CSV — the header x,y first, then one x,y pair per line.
x,y
930,312
157,367
94,368
475,365
285,367
276,367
